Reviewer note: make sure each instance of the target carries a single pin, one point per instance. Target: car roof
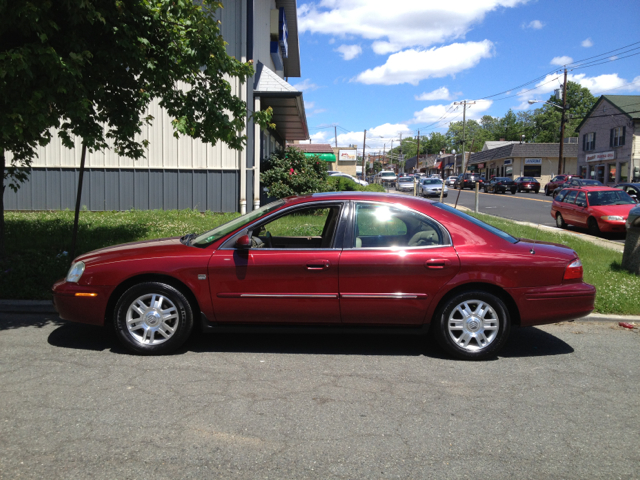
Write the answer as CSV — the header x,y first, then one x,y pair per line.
x,y
593,188
409,201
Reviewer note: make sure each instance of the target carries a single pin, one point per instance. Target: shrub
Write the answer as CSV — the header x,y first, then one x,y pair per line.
x,y
290,172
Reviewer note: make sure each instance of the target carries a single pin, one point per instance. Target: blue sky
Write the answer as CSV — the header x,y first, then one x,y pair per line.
x,y
393,67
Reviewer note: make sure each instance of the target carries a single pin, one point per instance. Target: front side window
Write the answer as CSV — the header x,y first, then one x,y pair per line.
x,y
589,141
617,137
384,226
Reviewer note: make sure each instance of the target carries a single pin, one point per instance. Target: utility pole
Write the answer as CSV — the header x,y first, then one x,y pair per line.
x,y
418,154
400,158
564,109
464,104
364,146
335,134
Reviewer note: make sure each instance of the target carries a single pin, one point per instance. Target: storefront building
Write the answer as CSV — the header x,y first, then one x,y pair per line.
x,y
186,173
610,140
538,160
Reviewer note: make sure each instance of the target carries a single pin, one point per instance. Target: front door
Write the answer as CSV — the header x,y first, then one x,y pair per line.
x,y
290,275
398,261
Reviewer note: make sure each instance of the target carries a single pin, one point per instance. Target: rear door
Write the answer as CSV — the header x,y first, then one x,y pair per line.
x,y
394,262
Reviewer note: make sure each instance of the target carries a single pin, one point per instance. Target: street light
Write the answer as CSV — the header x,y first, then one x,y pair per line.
x,y
564,110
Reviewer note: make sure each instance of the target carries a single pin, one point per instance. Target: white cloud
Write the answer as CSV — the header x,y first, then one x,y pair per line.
x,y
561,60
349,52
450,113
305,86
441,93
377,137
596,85
587,43
308,105
535,24
320,137
397,26
412,66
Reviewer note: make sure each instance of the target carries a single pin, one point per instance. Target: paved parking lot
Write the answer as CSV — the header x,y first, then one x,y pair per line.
x,y
561,402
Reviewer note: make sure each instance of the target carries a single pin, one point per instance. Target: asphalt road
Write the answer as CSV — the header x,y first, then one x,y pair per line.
x,y
560,402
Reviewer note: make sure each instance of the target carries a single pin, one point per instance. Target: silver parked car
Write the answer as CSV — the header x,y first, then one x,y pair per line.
x,y
350,177
405,184
431,187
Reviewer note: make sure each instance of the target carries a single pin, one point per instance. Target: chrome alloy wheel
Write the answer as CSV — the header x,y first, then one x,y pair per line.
x,y
473,325
152,319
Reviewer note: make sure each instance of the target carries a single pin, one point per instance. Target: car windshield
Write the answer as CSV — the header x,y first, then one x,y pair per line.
x,y
387,174
480,223
212,235
432,181
609,197
527,179
405,179
590,182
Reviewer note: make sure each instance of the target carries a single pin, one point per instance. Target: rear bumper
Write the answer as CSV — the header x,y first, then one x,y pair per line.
x,y
542,305
80,309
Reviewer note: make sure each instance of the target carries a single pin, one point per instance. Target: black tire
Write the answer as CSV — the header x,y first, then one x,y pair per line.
x,y
485,334
592,227
560,221
513,192
546,192
136,328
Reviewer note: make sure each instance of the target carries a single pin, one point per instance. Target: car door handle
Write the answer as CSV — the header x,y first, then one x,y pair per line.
x,y
318,265
437,263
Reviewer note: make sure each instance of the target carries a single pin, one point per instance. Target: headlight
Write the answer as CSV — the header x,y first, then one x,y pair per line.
x,y
613,218
75,272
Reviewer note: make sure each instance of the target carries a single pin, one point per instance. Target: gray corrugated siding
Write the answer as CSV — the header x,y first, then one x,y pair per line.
x,y
123,189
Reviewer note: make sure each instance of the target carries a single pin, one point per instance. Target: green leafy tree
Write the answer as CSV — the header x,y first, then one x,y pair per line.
x,y
290,172
474,132
548,117
437,141
90,69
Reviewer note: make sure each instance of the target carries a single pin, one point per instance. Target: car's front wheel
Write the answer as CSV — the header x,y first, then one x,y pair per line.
x,y
592,226
152,318
473,325
546,192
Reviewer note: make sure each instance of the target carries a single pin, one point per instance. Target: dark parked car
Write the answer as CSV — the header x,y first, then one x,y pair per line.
x,y
330,261
577,182
500,185
557,181
527,184
633,189
466,180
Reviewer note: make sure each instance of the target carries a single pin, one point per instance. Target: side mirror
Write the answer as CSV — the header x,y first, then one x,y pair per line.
x,y
243,242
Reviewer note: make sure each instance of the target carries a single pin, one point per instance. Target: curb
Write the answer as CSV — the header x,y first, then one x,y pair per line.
x,y
46,306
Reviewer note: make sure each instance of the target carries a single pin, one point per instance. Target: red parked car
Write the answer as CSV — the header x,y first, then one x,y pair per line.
x,y
598,209
334,260
527,184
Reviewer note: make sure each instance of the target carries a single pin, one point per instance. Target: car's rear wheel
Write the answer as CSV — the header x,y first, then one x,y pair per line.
x,y
592,227
560,221
152,318
473,325
546,192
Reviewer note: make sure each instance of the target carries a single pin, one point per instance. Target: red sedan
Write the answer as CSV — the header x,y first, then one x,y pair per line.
x,y
344,259
598,209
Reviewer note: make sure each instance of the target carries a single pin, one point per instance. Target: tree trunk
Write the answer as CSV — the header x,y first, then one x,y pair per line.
x,y
2,162
74,236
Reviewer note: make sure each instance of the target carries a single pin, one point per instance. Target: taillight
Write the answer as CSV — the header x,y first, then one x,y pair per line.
x,y
574,270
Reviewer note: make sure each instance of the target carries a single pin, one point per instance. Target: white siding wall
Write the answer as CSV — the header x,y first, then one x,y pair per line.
x,y
164,151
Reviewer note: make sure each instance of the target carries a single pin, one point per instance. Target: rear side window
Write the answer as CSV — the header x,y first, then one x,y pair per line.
x,y
570,197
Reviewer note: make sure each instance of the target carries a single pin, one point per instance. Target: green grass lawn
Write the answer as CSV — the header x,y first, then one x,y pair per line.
x,y
36,242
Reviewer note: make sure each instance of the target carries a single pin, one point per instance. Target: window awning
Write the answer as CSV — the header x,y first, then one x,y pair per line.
x,y
324,157
286,102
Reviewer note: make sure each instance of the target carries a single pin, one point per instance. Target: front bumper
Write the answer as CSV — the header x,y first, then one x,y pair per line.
x,y
611,226
80,309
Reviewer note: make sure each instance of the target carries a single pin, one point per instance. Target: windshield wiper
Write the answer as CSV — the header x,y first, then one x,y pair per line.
x,y
187,239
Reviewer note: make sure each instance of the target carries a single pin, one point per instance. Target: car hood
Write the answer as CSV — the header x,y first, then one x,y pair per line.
x,y
621,210
161,247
